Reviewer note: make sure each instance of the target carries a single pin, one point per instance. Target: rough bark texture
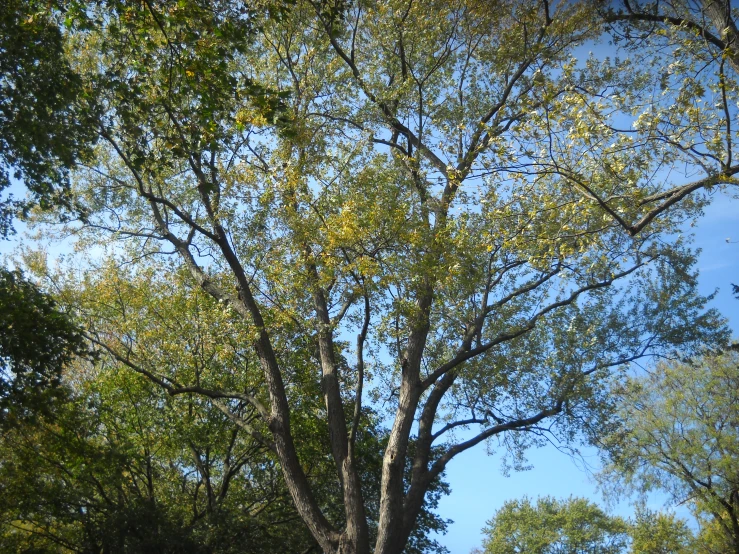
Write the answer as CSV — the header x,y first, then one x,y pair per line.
x,y
719,14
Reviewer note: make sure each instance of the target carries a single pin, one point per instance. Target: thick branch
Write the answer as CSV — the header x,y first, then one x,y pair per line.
x,y
676,195
466,354
438,467
455,424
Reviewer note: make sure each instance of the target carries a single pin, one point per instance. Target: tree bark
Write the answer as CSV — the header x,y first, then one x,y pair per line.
x,y
719,13
390,529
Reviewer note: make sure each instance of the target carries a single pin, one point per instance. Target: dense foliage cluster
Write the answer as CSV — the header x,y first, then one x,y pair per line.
x,y
37,340
46,120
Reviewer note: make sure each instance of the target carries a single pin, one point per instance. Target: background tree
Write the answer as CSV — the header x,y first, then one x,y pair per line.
x,y
579,526
122,468
37,340
45,123
679,433
44,129
660,533
453,191
573,526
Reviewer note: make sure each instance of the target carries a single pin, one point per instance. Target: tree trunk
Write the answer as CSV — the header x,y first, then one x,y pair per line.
x,y
719,12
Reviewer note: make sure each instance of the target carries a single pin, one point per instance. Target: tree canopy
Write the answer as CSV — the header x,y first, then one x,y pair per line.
x,y
122,464
661,533
121,468
46,122
37,340
573,526
462,222
680,433
577,526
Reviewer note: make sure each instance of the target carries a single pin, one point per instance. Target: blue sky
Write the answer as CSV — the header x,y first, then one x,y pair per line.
x,y
478,486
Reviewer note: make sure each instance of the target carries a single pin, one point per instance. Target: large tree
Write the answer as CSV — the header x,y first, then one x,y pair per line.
x,y
484,224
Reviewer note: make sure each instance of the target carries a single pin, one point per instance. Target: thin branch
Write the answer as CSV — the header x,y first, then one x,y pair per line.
x,y
173,388
148,195
384,108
